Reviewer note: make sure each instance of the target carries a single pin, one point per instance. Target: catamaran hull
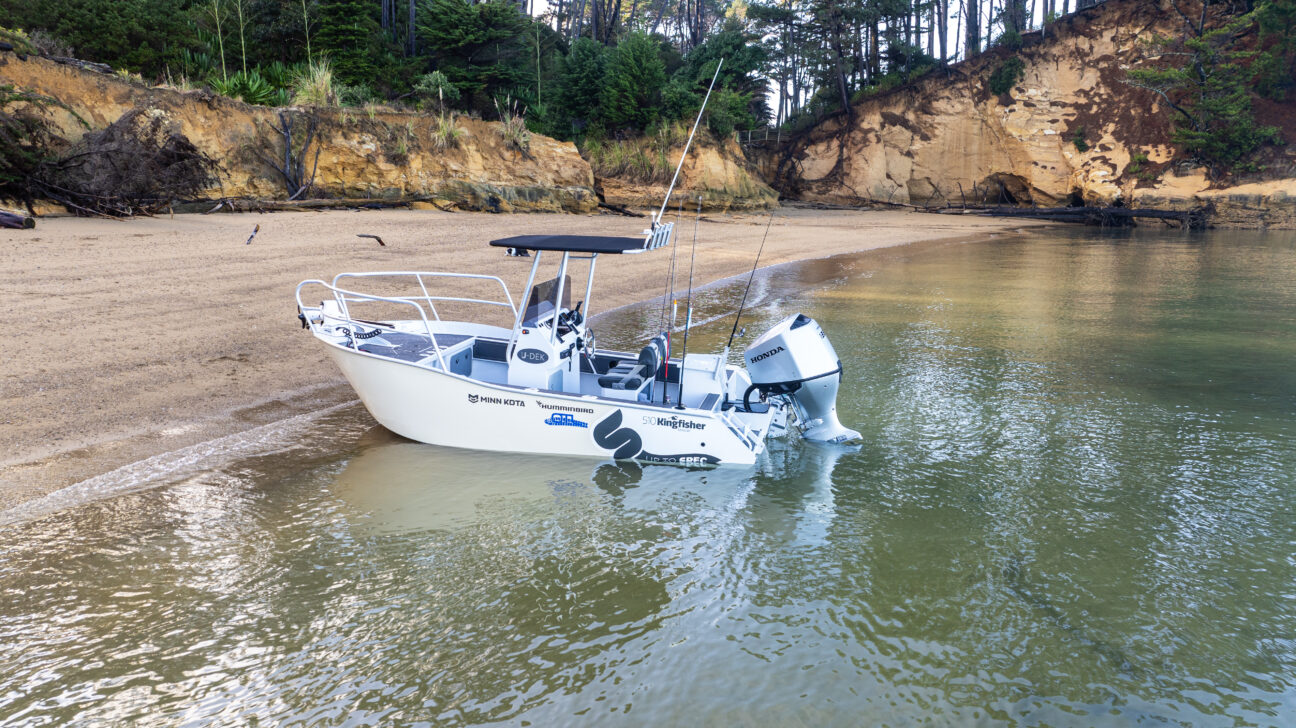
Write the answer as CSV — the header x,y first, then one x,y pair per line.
x,y
431,406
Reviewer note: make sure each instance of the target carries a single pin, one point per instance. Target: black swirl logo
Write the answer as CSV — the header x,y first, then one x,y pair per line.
x,y
610,435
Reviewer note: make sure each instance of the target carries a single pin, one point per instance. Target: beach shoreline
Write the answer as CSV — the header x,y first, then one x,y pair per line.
x,y
145,337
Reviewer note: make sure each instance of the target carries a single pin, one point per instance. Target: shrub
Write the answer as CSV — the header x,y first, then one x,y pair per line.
x,y
1078,139
436,86
18,39
313,85
250,86
1007,75
513,125
1010,39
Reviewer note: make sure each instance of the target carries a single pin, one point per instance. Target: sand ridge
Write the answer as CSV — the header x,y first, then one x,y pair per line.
x,y
130,339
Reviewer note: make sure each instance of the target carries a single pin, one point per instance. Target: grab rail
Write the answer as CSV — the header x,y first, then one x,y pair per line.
x,y
428,298
340,295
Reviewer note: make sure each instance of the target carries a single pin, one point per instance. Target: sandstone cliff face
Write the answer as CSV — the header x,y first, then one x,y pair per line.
x,y
718,172
383,156
946,138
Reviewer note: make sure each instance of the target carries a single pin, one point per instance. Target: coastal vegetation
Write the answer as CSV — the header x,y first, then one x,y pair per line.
x,y
621,79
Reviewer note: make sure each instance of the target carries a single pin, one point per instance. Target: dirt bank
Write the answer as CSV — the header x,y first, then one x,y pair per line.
x,y
132,339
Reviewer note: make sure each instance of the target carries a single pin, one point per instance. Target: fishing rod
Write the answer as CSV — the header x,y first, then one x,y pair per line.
x,y
749,281
668,301
688,304
687,145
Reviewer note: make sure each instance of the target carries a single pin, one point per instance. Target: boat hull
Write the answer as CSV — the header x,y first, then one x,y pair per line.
x,y
431,406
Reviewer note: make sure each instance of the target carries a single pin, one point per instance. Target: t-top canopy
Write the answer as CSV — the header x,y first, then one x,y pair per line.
x,y
655,238
572,243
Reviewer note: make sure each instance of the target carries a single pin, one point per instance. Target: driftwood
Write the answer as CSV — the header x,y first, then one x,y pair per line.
x,y
16,220
1196,219
618,209
83,65
248,204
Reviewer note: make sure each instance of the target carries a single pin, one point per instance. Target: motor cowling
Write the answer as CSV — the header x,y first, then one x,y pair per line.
x,y
795,358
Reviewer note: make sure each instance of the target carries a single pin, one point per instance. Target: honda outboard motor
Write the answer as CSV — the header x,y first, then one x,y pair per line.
x,y
795,358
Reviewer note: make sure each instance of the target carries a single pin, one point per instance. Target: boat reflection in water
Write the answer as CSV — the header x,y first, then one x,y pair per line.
x,y
397,485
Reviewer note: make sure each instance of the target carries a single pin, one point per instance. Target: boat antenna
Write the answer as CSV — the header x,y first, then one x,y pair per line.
x,y
749,280
678,167
688,304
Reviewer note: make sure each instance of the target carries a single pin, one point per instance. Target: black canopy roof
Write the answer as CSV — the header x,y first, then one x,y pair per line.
x,y
573,243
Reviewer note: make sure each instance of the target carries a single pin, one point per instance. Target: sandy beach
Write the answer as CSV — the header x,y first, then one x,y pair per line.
x,y
130,339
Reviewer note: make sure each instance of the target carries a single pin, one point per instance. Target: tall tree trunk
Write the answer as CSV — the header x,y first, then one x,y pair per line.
x,y
875,53
972,45
410,48
1015,16
942,27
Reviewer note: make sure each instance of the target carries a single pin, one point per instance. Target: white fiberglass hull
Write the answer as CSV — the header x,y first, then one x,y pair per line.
x,y
431,406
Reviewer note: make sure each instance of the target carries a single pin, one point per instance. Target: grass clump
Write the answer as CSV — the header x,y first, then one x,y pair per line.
x,y
313,86
513,125
445,133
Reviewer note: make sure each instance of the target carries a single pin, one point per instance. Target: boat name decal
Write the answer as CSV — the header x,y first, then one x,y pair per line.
x,y
688,459
564,407
534,356
559,419
476,398
626,443
673,422
766,354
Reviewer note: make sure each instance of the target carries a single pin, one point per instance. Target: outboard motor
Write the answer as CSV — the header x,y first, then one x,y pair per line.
x,y
795,358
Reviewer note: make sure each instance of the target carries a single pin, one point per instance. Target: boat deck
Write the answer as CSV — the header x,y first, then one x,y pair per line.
x,y
410,347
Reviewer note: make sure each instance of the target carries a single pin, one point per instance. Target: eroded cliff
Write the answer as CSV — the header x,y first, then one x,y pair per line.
x,y
380,155
1070,130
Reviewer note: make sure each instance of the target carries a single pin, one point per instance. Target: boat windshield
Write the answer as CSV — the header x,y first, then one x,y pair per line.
x,y
543,295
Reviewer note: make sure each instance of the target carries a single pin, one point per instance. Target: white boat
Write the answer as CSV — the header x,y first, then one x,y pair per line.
x,y
539,385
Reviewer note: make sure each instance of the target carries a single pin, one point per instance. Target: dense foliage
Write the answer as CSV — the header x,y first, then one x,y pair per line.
x,y
582,69
1208,76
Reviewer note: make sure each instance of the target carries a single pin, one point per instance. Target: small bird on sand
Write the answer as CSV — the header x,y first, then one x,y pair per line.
x,y
375,237
255,230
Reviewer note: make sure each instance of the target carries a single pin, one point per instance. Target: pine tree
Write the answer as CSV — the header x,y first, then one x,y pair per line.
x,y
633,83
346,31
582,82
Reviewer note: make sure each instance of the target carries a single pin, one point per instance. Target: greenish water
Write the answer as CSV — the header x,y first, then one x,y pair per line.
x,y
1074,507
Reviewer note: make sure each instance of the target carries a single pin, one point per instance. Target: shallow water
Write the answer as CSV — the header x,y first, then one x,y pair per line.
x,y
1074,507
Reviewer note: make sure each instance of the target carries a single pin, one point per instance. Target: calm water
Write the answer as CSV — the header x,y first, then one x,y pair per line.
x,y
1075,507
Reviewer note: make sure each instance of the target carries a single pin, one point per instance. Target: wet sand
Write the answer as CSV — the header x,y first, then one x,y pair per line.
x,y
126,340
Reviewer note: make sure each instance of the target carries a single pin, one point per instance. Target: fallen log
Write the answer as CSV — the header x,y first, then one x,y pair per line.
x,y
103,68
618,209
1196,219
16,220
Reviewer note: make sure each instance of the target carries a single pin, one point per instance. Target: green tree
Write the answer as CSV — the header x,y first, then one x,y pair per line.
x,y
632,85
1277,23
482,48
347,32
1207,80
144,36
581,83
